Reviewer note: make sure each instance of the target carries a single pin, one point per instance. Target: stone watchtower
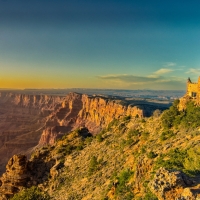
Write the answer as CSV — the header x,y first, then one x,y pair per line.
x,y
192,94
193,89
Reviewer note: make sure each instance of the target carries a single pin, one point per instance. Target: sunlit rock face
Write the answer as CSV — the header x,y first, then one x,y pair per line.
x,y
22,119
79,110
29,120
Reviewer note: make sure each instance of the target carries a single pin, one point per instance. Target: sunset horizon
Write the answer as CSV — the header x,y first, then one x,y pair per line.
x,y
95,44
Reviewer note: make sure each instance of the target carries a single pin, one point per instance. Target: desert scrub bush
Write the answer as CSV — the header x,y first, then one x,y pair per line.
x,y
143,150
149,195
114,122
169,115
127,118
187,161
99,137
65,150
145,135
187,118
88,140
80,146
166,135
32,193
192,161
174,159
123,189
103,131
133,132
152,155
191,116
93,165
122,126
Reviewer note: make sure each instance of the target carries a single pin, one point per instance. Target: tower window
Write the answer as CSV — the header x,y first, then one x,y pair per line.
x,y
194,94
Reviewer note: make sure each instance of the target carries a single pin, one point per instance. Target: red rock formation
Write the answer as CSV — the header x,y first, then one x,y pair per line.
x,y
26,120
22,118
79,110
170,185
15,178
22,173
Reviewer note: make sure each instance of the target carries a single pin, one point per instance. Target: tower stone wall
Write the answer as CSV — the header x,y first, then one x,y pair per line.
x,y
192,94
192,89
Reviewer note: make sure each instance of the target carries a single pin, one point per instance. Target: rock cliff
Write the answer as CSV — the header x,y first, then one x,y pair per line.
x,y
30,121
129,159
79,110
22,118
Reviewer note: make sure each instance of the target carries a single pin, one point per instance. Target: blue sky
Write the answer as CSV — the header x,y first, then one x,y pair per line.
x,y
99,44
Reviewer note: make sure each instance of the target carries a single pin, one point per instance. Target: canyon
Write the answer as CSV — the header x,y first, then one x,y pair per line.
x,y
95,147
29,121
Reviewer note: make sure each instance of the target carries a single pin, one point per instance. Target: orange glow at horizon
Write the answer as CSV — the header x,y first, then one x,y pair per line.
x,y
47,82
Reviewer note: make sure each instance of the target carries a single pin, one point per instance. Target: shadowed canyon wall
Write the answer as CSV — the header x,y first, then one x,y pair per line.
x,y
22,118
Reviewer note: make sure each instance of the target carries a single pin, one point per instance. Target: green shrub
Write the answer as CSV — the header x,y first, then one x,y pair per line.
x,y
187,118
122,188
103,131
99,137
149,196
145,135
32,193
152,155
143,150
169,115
192,161
133,132
80,146
191,116
122,126
114,122
174,159
127,118
88,140
93,165
166,135
68,149
184,160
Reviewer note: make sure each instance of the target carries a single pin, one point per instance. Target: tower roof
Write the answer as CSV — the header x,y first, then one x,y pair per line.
x,y
189,80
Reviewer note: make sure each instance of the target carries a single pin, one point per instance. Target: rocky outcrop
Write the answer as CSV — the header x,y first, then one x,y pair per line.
x,y
23,173
50,134
15,178
143,169
79,110
22,119
99,112
171,185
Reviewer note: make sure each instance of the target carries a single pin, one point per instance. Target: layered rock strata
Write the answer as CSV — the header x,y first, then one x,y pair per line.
x,y
29,120
22,119
79,110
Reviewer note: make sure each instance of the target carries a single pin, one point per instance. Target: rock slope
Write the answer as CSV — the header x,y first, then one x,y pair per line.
x,y
129,159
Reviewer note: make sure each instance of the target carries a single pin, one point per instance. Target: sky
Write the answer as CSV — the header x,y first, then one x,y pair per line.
x,y
114,44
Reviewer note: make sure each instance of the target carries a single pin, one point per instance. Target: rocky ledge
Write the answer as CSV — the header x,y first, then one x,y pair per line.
x,y
173,184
